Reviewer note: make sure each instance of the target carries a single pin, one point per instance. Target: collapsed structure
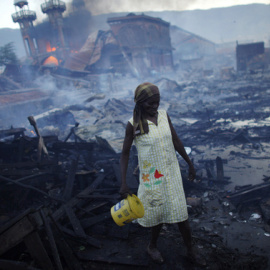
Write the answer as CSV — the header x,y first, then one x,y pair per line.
x,y
136,43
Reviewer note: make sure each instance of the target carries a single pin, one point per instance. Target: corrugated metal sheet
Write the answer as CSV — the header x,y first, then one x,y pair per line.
x,y
90,53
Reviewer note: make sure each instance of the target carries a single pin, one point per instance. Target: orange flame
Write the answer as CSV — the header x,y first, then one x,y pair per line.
x,y
51,60
48,47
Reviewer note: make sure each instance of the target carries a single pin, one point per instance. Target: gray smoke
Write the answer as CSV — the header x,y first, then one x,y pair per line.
x,y
113,6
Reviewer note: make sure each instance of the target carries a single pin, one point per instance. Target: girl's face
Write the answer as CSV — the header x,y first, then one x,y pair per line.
x,y
150,105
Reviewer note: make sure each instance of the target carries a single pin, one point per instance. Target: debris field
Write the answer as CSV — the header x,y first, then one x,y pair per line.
x,y
60,174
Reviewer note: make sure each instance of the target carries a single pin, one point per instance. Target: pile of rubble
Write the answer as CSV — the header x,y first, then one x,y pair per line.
x,y
60,176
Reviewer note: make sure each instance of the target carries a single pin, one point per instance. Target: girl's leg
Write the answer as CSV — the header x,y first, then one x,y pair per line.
x,y
152,247
154,236
185,231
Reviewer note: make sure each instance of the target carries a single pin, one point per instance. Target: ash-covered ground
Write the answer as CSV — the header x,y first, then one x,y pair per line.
x,y
226,119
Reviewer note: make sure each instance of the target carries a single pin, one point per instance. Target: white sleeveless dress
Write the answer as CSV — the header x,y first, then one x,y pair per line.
x,y
161,188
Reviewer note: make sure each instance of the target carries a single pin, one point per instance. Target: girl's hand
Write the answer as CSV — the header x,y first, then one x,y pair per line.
x,y
191,173
124,191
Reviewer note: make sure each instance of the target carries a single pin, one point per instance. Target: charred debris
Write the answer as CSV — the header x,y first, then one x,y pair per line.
x,y
60,174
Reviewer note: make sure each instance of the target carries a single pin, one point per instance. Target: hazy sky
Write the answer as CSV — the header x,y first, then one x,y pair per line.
x,y
107,6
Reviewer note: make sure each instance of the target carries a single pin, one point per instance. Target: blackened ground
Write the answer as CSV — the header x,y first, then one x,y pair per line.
x,y
223,237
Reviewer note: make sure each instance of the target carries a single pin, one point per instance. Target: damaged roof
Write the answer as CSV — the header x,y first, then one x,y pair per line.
x,y
131,17
91,51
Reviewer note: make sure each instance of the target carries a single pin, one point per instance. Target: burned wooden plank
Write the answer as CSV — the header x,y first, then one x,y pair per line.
x,y
41,145
220,171
14,220
37,251
86,239
70,181
104,144
73,133
91,207
51,241
82,176
15,231
29,177
74,222
16,172
74,201
15,234
66,251
16,132
255,191
86,223
30,187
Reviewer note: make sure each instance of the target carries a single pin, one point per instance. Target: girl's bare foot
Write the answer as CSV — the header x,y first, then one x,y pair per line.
x,y
155,254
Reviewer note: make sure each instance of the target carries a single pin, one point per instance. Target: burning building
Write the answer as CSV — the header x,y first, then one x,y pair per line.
x,y
49,43
49,48
25,18
135,43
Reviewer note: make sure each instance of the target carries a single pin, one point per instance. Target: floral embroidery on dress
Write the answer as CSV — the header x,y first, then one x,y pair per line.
x,y
158,174
157,182
146,164
152,171
145,177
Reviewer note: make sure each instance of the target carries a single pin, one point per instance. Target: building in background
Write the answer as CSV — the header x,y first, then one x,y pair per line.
x,y
192,52
43,46
25,18
250,56
50,42
137,44
143,41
